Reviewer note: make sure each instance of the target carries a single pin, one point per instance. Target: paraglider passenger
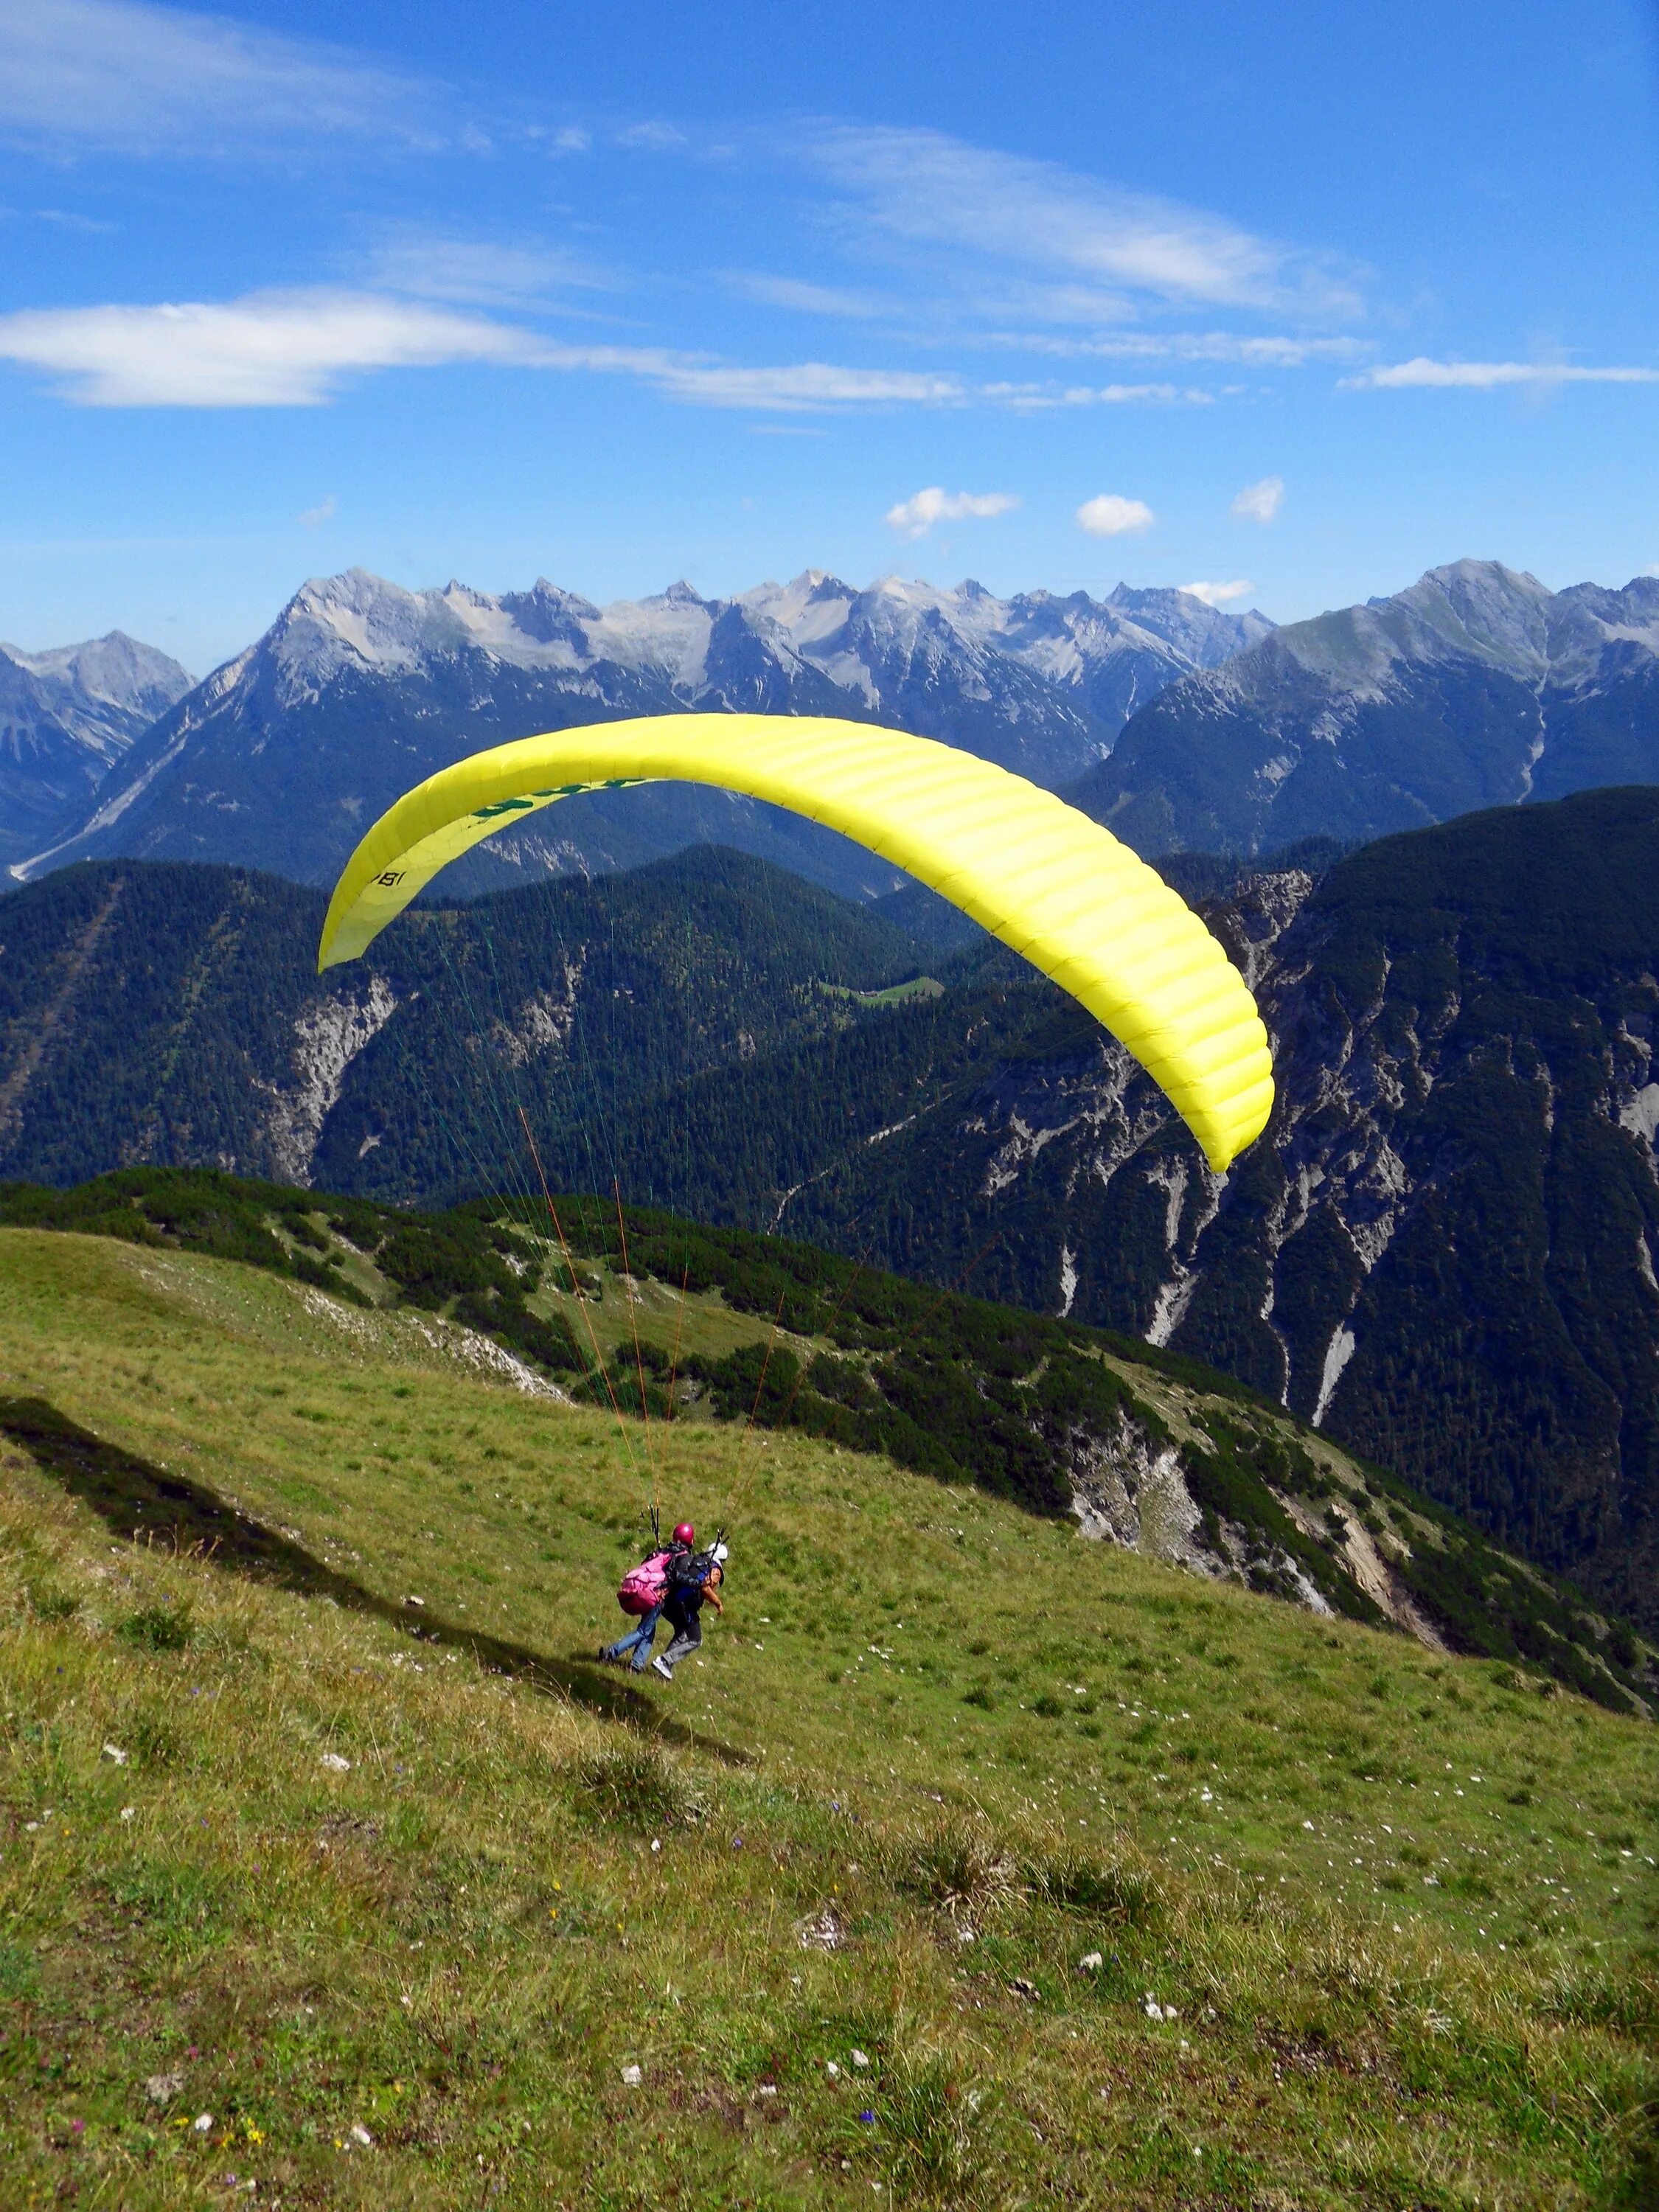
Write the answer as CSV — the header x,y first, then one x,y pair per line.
x,y
694,1580
643,1590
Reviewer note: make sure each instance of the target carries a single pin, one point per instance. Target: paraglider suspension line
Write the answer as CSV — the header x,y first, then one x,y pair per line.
x,y
598,1357
634,1321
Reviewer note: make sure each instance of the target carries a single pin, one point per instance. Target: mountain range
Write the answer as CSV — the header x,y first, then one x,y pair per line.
x,y
1443,1254
1477,687
1184,728
67,717
359,688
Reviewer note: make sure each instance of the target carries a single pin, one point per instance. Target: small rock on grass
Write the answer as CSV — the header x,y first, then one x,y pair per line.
x,y
162,2088
632,2077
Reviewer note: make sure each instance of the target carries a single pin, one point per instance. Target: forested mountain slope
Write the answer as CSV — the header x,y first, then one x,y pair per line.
x,y
158,1013
1443,1251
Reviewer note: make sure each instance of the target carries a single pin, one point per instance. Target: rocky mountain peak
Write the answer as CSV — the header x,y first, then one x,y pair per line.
x,y
361,684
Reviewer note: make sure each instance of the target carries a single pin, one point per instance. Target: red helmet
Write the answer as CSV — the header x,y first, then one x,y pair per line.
x,y
685,1533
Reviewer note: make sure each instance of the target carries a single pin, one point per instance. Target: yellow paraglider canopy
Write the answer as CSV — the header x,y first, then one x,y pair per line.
x,y
1046,880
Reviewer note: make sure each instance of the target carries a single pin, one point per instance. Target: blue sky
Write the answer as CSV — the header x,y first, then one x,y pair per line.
x,y
1289,302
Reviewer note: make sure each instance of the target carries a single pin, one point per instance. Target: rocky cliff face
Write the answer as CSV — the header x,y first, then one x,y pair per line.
x,y
1444,1250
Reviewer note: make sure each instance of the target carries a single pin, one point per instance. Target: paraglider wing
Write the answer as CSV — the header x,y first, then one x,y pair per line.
x,y
1046,880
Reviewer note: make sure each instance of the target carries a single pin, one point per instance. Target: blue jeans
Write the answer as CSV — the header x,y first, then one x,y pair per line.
x,y
639,1643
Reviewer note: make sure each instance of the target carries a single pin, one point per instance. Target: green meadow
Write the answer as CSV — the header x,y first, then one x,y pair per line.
x,y
969,1864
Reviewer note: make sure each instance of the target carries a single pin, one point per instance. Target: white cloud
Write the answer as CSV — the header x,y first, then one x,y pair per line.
x,y
934,190
268,350
1487,375
296,348
1260,503
653,138
803,385
801,298
917,515
1110,515
138,79
313,518
1027,396
1226,346
1217,595
473,271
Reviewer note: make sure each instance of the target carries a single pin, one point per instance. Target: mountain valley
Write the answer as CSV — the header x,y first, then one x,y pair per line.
x,y
1442,1255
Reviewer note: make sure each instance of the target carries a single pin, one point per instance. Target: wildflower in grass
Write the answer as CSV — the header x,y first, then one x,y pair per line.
x,y
203,2122
336,1765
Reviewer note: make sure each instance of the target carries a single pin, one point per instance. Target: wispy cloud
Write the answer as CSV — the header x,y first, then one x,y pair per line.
x,y
1230,347
801,298
917,515
1487,375
927,189
474,272
313,518
1110,516
1259,502
132,78
805,384
299,349
1029,395
653,138
1219,595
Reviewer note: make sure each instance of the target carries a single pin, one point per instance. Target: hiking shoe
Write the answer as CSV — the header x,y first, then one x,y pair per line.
x,y
662,1668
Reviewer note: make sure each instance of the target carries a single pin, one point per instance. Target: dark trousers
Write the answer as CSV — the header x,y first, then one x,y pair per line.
x,y
688,1634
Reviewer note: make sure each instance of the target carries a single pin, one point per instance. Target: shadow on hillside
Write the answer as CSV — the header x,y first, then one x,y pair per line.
x,y
145,1503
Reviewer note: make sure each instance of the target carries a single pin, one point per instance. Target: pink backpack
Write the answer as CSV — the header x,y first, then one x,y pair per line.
x,y
647,1585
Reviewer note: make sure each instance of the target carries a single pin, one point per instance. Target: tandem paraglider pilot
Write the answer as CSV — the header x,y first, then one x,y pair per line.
x,y
692,1581
643,1592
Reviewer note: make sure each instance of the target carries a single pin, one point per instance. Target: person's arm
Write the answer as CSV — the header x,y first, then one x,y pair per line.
x,y
713,1598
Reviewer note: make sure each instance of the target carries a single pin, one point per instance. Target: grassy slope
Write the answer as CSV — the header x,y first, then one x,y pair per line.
x,y
925,1713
